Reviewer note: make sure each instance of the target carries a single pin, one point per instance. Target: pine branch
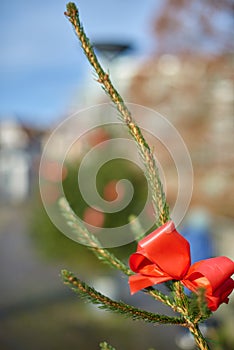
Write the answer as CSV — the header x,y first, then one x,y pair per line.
x,y
180,302
105,346
158,196
85,237
91,295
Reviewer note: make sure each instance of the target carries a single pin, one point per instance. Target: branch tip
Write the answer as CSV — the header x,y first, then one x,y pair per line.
x,y
72,10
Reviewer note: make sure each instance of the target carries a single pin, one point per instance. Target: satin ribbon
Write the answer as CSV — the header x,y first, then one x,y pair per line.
x,y
164,255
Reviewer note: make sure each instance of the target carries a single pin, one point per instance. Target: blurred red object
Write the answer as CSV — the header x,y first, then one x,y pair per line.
x,y
94,217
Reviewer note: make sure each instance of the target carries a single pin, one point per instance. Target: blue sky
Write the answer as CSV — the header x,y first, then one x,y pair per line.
x,y
41,63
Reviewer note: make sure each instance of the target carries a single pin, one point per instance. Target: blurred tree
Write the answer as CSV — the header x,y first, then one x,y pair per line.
x,y
56,246
191,26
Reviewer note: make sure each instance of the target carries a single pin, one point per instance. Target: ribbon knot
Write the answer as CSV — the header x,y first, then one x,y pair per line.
x,y
164,255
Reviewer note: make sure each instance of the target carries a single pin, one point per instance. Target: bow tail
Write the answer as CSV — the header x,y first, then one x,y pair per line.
x,y
138,281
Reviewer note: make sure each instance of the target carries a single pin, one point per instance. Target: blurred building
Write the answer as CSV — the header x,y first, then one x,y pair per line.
x,y
196,94
19,151
119,60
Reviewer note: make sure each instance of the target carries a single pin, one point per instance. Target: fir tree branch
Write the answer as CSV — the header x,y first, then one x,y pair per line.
x,y
105,346
180,302
158,196
85,237
91,295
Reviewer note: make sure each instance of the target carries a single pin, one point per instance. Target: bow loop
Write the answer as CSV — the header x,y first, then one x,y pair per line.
x,y
215,270
214,276
164,254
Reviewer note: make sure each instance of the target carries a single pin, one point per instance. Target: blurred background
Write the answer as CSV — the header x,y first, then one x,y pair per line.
x,y
173,56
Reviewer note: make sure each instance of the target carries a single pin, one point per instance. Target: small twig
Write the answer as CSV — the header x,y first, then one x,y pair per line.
x,y
87,238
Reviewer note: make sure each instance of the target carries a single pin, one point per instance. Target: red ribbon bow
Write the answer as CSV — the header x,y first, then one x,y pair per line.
x,y
164,255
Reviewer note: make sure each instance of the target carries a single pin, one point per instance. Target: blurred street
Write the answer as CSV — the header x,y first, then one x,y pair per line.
x,y
38,312
35,305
